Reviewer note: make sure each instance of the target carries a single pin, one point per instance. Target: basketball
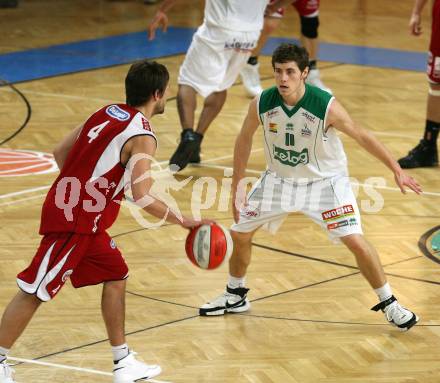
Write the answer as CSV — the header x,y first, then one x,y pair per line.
x,y
208,245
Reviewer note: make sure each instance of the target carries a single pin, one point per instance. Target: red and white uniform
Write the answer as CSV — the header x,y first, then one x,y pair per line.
x,y
305,8
433,69
82,203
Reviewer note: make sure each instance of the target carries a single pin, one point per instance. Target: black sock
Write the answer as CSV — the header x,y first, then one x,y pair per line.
x,y
253,60
431,132
313,64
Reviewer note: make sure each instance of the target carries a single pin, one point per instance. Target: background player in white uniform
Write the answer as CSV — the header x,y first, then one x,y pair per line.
x,y
219,49
308,11
303,155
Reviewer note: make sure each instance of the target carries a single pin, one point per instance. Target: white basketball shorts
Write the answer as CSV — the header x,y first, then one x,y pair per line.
x,y
215,58
328,202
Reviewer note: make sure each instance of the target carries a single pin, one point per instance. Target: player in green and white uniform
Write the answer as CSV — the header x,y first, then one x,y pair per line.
x,y
307,172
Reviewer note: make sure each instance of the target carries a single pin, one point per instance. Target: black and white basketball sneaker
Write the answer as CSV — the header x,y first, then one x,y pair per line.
x,y
188,149
128,370
397,315
423,155
231,301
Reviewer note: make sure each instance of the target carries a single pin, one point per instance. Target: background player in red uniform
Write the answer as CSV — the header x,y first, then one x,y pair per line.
x,y
308,11
82,203
425,153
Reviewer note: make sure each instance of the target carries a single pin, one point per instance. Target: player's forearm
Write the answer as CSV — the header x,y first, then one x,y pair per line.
x,y
370,143
242,151
418,6
158,209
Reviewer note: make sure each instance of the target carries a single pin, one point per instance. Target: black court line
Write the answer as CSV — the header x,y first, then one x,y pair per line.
x,y
28,111
304,256
424,248
160,300
306,286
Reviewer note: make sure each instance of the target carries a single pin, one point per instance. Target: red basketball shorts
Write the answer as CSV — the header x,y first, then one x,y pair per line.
x,y
86,259
434,47
306,8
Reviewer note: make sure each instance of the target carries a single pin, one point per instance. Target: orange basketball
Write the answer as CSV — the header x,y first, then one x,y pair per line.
x,y
208,245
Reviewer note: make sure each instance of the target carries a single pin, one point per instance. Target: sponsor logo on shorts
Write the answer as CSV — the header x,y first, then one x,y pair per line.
x,y
338,212
240,45
117,113
291,157
250,212
306,132
336,225
308,116
112,244
273,128
55,290
66,275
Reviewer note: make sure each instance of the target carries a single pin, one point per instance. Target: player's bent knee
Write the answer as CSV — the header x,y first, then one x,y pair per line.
x,y
240,238
309,27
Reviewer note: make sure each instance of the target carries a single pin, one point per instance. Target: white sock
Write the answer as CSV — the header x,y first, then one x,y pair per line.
x,y
120,352
235,282
3,354
384,292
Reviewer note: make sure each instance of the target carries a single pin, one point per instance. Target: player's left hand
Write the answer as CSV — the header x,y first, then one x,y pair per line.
x,y
160,19
403,180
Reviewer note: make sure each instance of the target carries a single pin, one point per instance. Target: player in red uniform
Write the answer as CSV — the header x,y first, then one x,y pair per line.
x,y
308,11
425,153
82,204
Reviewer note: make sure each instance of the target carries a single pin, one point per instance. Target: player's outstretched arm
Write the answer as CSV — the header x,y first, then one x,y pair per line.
x,y
63,148
340,119
415,21
242,151
160,19
141,151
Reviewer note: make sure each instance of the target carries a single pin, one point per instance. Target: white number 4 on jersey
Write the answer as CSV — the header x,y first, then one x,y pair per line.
x,y
94,132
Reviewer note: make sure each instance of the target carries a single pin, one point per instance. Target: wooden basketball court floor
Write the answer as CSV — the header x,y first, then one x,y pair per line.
x,y
310,319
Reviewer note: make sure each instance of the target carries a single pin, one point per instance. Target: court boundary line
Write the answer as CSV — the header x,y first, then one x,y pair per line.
x,y
73,368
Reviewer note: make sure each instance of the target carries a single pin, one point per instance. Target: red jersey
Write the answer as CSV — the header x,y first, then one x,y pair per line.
x,y
86,196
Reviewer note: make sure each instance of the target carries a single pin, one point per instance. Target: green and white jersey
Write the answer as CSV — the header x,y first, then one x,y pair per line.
x,y
296,144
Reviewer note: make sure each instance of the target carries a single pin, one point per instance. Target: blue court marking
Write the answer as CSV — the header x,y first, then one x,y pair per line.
x,y
121,49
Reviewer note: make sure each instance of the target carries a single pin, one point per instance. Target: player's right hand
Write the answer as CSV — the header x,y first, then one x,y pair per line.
x,y
404,181
415,25
239,202
189,223
160,19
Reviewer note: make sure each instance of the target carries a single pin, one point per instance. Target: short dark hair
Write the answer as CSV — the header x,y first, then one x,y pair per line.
x,y
290,52
143,79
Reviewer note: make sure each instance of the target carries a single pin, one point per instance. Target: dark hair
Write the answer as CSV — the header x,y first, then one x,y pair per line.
x,y
143,79
290,52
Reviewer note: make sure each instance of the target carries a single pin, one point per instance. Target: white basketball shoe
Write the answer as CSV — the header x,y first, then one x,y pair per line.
x,y
231,301
128,370
251,79
6,373
314,78
397,315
